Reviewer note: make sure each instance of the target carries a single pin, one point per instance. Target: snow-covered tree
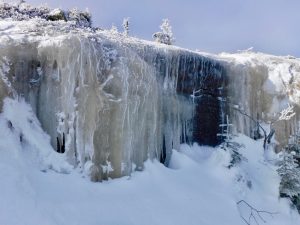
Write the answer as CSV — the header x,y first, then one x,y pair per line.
x,y
166,27
289,170
113,29
56,14
81,18
165,36
294,145
126,26
290,176
23,11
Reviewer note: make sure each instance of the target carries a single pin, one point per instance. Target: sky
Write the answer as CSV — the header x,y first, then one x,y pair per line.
x,y
214,26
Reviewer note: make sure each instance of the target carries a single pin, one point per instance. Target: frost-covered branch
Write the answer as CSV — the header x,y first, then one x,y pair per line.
x,y
254,120
287,114
255,214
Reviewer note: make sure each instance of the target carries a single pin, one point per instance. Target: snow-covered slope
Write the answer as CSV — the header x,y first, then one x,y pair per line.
x,y
198,188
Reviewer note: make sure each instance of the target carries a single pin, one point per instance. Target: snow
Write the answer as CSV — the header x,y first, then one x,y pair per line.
x,y
22,136
38,186
109,74
267,85
283,71
55,12
198,188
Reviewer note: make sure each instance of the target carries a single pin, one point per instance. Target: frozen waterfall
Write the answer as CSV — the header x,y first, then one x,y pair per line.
x,y
262,86
110,102
114,104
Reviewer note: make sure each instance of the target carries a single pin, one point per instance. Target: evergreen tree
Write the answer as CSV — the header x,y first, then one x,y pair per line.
x,y
165,36
290,176
166,28
126,26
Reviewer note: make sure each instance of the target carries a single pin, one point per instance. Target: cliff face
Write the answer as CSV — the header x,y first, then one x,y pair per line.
x,y
262,86
110,102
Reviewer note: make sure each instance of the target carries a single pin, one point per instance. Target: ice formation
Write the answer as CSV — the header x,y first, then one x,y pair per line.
x,y
116,101
262,86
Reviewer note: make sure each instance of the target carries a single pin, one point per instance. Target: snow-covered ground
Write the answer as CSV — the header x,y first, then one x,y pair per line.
x,y
198,188
38,186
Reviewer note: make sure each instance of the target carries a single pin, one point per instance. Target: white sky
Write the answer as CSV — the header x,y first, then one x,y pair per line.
x,y
270,26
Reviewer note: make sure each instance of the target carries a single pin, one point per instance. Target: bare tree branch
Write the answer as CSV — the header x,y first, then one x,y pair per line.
x,y
255,214
285,114
255,121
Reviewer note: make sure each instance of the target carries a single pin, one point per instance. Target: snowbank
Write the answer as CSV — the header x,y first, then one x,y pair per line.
x,y
23,140
197,189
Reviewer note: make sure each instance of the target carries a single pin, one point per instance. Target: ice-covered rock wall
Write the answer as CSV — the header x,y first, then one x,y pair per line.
x,y
113,101
110,102
262,86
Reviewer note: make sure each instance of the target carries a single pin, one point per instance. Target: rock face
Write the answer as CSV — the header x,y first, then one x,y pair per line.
x,y
110,101
262,86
